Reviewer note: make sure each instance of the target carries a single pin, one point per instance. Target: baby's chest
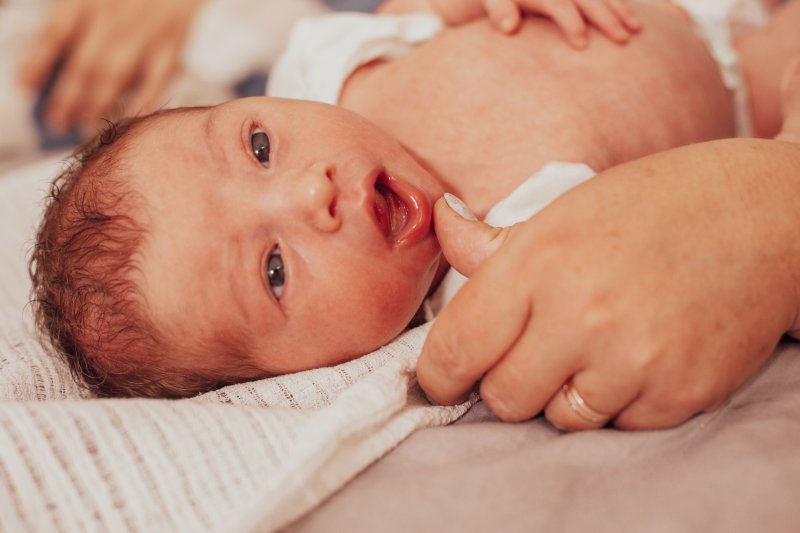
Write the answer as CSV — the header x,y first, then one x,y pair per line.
x,y
473,109
482,107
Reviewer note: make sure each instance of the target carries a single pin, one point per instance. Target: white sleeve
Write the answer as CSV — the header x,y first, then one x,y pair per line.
x,y
324,51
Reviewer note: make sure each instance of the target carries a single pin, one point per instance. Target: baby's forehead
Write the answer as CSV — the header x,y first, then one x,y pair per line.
x,y
145,170
166,146
172,172
166,124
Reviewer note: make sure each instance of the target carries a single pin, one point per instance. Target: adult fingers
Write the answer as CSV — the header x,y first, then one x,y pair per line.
x,y
466,242
156,73
474,330
503,14
602,17
63,22
114,73
565,15
518,386
673,396
592,397
656,409
78,74
453,12
625,14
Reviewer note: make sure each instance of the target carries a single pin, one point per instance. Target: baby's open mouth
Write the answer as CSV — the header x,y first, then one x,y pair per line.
x,y
403,211
391,210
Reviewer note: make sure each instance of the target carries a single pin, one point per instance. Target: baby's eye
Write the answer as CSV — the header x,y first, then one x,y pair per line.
x,y
259,141
275,273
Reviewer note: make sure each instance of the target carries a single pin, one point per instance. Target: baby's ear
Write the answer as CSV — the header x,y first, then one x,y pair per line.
x,y
466,242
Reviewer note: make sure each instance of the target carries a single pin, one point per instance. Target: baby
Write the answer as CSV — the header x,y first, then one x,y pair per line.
x,y
199,247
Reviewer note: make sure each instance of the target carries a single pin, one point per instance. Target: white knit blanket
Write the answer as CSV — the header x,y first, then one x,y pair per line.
x,y
249,457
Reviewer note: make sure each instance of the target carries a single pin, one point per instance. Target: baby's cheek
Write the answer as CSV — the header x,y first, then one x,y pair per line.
x,y
377,298
387,307
389,304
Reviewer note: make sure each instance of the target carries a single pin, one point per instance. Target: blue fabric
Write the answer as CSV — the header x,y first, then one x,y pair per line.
x,y
48,140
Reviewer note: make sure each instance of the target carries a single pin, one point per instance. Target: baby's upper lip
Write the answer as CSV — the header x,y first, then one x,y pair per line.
x,y
410,226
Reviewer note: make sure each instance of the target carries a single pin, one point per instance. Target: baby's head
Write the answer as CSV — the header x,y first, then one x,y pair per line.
x,y
199,247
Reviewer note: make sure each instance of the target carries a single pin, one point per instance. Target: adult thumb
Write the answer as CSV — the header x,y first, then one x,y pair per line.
x,y
466,241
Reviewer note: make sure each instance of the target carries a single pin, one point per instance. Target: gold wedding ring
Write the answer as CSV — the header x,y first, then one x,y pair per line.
x,y
579,407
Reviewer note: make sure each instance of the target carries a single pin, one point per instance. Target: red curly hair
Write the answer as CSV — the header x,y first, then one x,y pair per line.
x,y
83,269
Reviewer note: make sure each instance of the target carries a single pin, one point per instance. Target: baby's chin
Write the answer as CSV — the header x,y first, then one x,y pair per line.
x,y
442,267
418,319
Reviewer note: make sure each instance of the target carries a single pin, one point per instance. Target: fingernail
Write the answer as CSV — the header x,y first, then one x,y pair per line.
x,y
507,24
459,207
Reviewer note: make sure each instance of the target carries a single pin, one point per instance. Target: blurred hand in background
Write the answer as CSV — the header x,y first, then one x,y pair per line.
x,y
106,50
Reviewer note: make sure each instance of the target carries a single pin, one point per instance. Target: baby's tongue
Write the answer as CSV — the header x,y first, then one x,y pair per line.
x,y
398,213
382,210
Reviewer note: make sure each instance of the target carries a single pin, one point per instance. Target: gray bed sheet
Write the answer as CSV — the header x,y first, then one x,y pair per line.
x,y
735,470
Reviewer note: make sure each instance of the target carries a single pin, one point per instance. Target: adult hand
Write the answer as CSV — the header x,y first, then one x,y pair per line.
x,y
613,18
656,289
108,49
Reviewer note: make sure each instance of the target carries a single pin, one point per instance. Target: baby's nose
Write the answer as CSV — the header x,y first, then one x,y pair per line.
x,y
320,194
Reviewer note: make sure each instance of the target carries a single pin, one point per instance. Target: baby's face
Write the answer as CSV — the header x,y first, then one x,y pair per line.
x,y
300,230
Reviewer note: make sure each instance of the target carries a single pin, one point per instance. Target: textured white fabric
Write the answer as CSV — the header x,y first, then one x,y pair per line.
x,y
248,457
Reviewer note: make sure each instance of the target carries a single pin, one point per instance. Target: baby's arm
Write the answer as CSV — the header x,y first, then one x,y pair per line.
x,y
790,99
612,17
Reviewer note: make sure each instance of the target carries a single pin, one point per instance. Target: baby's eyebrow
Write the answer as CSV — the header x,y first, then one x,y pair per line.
x,y
214,151
236,259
